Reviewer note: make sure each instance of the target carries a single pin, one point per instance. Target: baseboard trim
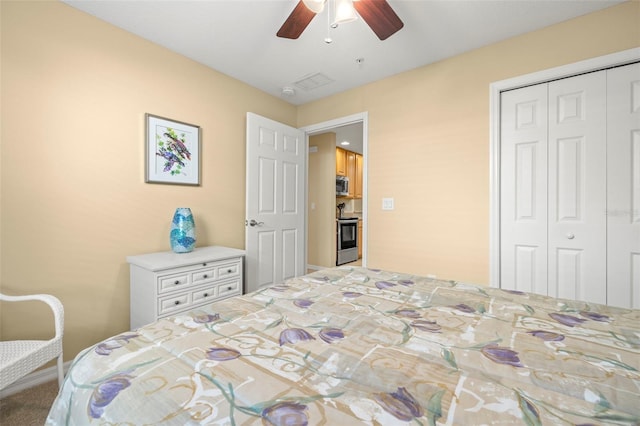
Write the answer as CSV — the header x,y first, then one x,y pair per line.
x,y
36,378
315,267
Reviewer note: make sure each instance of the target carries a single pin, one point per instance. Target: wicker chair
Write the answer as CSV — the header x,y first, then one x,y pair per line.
x,y
20,357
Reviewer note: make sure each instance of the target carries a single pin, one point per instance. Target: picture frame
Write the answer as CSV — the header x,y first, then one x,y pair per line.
x,y
172,151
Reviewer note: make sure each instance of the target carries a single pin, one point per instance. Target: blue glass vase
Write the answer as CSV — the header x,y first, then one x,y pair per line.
x,y
183,231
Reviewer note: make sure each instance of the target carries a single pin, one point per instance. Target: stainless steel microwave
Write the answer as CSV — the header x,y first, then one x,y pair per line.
x,y
342,186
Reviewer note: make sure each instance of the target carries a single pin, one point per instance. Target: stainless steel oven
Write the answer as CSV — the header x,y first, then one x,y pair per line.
x,y
347,240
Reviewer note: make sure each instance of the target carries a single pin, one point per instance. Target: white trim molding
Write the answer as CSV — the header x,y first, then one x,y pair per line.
x,y
315,267
362,117
594,64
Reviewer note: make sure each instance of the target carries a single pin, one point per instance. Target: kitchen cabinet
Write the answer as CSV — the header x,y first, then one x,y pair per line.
x,y
350,164
351,172
167,283
341,162
357,186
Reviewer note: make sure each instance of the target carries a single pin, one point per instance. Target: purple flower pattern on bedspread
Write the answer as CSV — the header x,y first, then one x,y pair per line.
x,y
205,318
303,303
294,335
409,313
366,346
385,284
222,354
400,403
501,355
594,316
548,336
426,325
108,346
462,307
105,392
568,320
286,414
331,334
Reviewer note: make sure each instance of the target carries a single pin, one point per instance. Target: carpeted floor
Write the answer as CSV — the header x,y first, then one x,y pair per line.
x,y
29,407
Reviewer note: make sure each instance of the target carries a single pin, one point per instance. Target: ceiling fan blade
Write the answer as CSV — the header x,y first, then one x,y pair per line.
x,y
379,16
296,22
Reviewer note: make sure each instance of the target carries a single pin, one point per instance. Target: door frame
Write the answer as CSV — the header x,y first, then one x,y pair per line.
x,y
325,126
593,64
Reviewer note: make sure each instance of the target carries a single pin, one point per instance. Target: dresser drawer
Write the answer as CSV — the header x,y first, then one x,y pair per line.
x,y
173,303
172,282
229,270
203,275
204,294
230,288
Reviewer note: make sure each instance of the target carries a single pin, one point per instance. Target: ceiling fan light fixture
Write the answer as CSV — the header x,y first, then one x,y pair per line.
x,y
377,14
345,12
316,6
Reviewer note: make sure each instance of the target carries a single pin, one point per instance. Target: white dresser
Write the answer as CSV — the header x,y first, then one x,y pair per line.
x,y
167,283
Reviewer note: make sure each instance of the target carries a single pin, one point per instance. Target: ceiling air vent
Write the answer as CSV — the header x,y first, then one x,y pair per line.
x,y
313,81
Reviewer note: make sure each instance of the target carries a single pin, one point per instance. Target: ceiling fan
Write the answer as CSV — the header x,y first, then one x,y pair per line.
x,y
376,13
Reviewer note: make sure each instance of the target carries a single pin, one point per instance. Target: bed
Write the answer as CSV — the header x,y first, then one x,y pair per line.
x,y
349,345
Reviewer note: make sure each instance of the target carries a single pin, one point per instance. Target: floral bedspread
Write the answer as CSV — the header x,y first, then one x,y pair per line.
x,y
351,346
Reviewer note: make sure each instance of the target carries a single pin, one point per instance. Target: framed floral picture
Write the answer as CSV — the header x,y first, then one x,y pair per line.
x,y
172,151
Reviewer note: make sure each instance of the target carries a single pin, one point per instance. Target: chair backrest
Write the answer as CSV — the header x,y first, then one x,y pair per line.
x,y
53,302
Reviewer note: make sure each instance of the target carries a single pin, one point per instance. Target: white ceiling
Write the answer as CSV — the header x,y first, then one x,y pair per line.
x,y
238,37
351,133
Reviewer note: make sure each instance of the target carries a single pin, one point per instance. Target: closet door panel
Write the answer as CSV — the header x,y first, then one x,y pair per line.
x,y
523,215
570,270
577,188
623,186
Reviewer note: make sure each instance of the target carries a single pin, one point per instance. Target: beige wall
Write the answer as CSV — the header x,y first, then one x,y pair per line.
x,y
429,142
74,201
321,224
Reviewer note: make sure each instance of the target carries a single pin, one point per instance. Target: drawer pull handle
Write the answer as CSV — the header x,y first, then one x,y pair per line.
x,y
206,295
177,302
204,264
229,271
229,288
177,282
205,276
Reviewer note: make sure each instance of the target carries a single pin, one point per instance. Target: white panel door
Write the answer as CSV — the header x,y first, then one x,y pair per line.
x,y
623,181
523,211
577,188
275,193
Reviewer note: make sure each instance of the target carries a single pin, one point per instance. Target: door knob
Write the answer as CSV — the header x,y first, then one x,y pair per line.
x,y
570,236
252,222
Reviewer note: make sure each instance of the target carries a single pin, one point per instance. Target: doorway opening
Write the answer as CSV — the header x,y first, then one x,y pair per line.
x,y
321,250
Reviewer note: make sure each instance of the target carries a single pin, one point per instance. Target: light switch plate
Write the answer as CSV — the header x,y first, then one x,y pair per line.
x,y
387,204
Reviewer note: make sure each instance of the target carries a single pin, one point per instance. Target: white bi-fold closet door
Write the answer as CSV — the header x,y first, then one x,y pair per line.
x,y
570,187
